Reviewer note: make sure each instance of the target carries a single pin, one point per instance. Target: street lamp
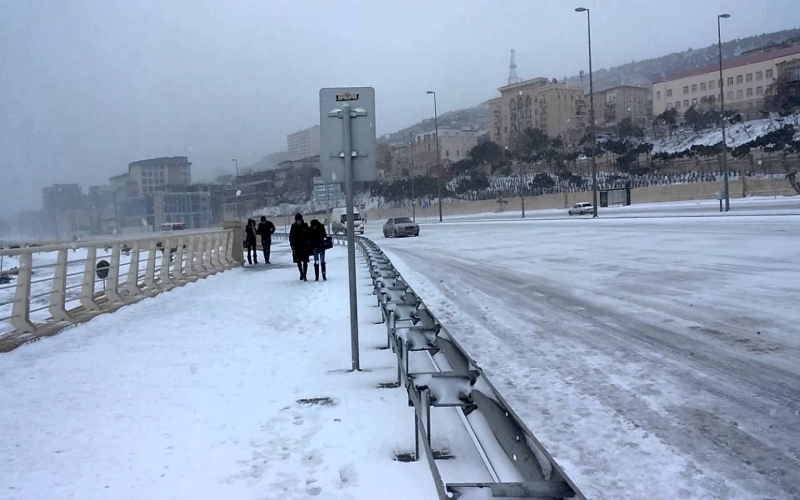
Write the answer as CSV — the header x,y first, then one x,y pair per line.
x,y
438,156
236,185
591,111
236,181
722,113
411,157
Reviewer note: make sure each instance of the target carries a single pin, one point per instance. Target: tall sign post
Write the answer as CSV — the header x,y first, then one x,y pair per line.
x,y
347,151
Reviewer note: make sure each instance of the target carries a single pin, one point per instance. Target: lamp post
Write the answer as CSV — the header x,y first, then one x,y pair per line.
x,y
411,157
438,156
236,185
722,112
591,111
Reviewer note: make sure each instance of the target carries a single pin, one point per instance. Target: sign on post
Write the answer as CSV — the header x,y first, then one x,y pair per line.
x,y
361,101
347,153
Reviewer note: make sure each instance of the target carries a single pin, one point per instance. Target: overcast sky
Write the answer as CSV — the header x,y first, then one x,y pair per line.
x,y
87,87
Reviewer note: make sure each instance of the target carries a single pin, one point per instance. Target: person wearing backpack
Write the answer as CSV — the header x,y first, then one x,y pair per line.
x,y
318,239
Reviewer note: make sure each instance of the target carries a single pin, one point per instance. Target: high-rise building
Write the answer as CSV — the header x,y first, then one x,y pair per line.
x,y
304,143
613,105
61,197
159,174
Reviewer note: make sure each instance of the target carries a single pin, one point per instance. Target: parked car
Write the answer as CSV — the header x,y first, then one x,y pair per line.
x,y
339,221
400,226
581,209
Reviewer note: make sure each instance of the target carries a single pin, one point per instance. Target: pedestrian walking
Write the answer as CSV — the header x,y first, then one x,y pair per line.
x,y
318,239
301,248
250,241
265,230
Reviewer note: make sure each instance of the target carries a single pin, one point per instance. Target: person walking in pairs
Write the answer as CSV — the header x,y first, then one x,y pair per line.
x,y
266,229
299,241
250,241
318,238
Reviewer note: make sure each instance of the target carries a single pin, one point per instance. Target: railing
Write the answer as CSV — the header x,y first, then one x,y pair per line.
x,y
45,288
516,461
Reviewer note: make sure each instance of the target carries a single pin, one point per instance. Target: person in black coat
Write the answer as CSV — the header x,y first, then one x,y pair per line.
x,y
250,241
301,248
317,239
265,229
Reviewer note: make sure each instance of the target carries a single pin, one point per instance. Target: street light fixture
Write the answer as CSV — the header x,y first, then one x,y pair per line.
x,y
438,156
722,113
236,185
591,111
411,158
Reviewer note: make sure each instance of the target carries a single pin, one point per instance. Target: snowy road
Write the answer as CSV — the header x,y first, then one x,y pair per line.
x,y
655,358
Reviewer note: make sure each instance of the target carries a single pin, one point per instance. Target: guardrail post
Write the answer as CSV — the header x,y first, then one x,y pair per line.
x,y
150,273
166,255
219,247
188,267
132,282
223,256
20,313
87,290
229,249
112,285
208,254
58,297
198,261
177,266
425,417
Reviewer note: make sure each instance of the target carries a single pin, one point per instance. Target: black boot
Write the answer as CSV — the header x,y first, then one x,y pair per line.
x,y
300,268
324,275
305,271
316,272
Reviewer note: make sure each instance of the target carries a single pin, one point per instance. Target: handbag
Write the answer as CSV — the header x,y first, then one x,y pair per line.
x,y
328,243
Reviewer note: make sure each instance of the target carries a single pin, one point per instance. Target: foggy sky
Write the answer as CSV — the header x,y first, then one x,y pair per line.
x,y
87,87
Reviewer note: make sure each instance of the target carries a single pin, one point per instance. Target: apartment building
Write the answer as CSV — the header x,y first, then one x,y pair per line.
x,y
61,197
617,103
304,143
555,108
158,174
454,145
745,80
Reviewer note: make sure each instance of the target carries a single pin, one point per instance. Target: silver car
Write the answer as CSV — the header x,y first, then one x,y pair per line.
x,y
581,209
400,226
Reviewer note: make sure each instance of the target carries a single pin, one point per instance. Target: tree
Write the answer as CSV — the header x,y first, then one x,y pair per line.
x,y
627,129
783,97
487,152
531,143
542,181
670,119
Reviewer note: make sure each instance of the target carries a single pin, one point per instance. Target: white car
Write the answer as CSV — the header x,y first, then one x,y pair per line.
x,y
581,209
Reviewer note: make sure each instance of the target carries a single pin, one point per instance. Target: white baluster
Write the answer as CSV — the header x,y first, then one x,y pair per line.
x,y
132,282
20,313
87,290
165,280
112,284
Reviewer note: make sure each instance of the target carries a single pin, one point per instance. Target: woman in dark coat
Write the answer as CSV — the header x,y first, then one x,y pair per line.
x,y
299,241
250,241
317,238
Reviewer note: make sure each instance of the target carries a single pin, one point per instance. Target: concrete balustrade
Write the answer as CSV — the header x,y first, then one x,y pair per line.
x,y
49,291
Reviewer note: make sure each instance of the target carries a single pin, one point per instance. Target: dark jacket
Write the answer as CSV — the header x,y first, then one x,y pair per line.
x,y
299,239
265,229
317,236
250,232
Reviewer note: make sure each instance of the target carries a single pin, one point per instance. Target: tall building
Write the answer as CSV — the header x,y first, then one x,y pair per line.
x,y
304,143
60,198
613,105
746,79
454,145
556,109
159,174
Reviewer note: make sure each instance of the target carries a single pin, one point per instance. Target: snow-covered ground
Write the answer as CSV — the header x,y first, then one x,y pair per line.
x,y
654,358
198,393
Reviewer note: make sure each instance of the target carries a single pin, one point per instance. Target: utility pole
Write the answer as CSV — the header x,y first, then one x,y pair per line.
x,y
411,156
236,186
438,156
722,113
591,112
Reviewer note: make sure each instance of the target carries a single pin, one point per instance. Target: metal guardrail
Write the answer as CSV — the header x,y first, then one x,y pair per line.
x,y
518,463
52,291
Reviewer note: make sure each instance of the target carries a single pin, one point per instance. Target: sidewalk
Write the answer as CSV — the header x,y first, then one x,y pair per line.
x,y
210,391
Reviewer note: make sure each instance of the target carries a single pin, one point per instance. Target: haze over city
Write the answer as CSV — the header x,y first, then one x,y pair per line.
x,y
90,86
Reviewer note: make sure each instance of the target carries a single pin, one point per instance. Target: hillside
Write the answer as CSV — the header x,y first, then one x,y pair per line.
x,y
641,73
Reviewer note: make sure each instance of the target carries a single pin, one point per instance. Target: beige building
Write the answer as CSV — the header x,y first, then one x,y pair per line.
x,y
158,174
554,108
746,79
304,143
617,103
454,145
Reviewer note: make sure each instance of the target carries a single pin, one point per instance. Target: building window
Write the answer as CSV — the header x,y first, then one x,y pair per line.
x,y
686,103
677,104
669,105
759,90
712,98
702,86
694,101
669,92
694,88
730,95
458,153
749,105
739,94
447,153
749,77
739,79
730,80
759,75
711,85
769,73
750,92
658,95
686,89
